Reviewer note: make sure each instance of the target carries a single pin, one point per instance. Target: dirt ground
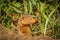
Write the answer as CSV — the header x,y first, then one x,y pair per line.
x,y
6,34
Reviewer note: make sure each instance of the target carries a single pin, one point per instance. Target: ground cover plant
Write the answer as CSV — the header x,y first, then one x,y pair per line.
x,y
45,12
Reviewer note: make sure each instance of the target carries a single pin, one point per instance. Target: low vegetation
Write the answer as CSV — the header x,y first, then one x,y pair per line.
x,y
45,12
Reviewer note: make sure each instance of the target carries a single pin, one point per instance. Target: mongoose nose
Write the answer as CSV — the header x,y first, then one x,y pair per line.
x,y
33,21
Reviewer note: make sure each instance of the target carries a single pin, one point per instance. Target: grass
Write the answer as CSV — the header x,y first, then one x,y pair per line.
x,y
45,9
47,20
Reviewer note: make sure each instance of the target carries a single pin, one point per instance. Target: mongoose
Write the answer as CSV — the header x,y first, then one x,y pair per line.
x,y
23,24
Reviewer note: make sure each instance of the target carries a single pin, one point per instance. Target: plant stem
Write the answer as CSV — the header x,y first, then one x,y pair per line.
x,y
47,20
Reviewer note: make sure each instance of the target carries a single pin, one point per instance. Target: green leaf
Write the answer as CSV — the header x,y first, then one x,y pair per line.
x,y
51,7
33,1
42,6
30,7
9,10
15,9
18,5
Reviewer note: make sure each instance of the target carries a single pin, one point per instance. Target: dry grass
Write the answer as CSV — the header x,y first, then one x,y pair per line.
x,y
6,34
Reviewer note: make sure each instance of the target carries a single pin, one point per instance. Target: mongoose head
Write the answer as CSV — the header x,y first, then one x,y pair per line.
x,y
26,20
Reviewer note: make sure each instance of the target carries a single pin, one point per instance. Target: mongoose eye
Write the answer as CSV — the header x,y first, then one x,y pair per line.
x,y
30,19
22,18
